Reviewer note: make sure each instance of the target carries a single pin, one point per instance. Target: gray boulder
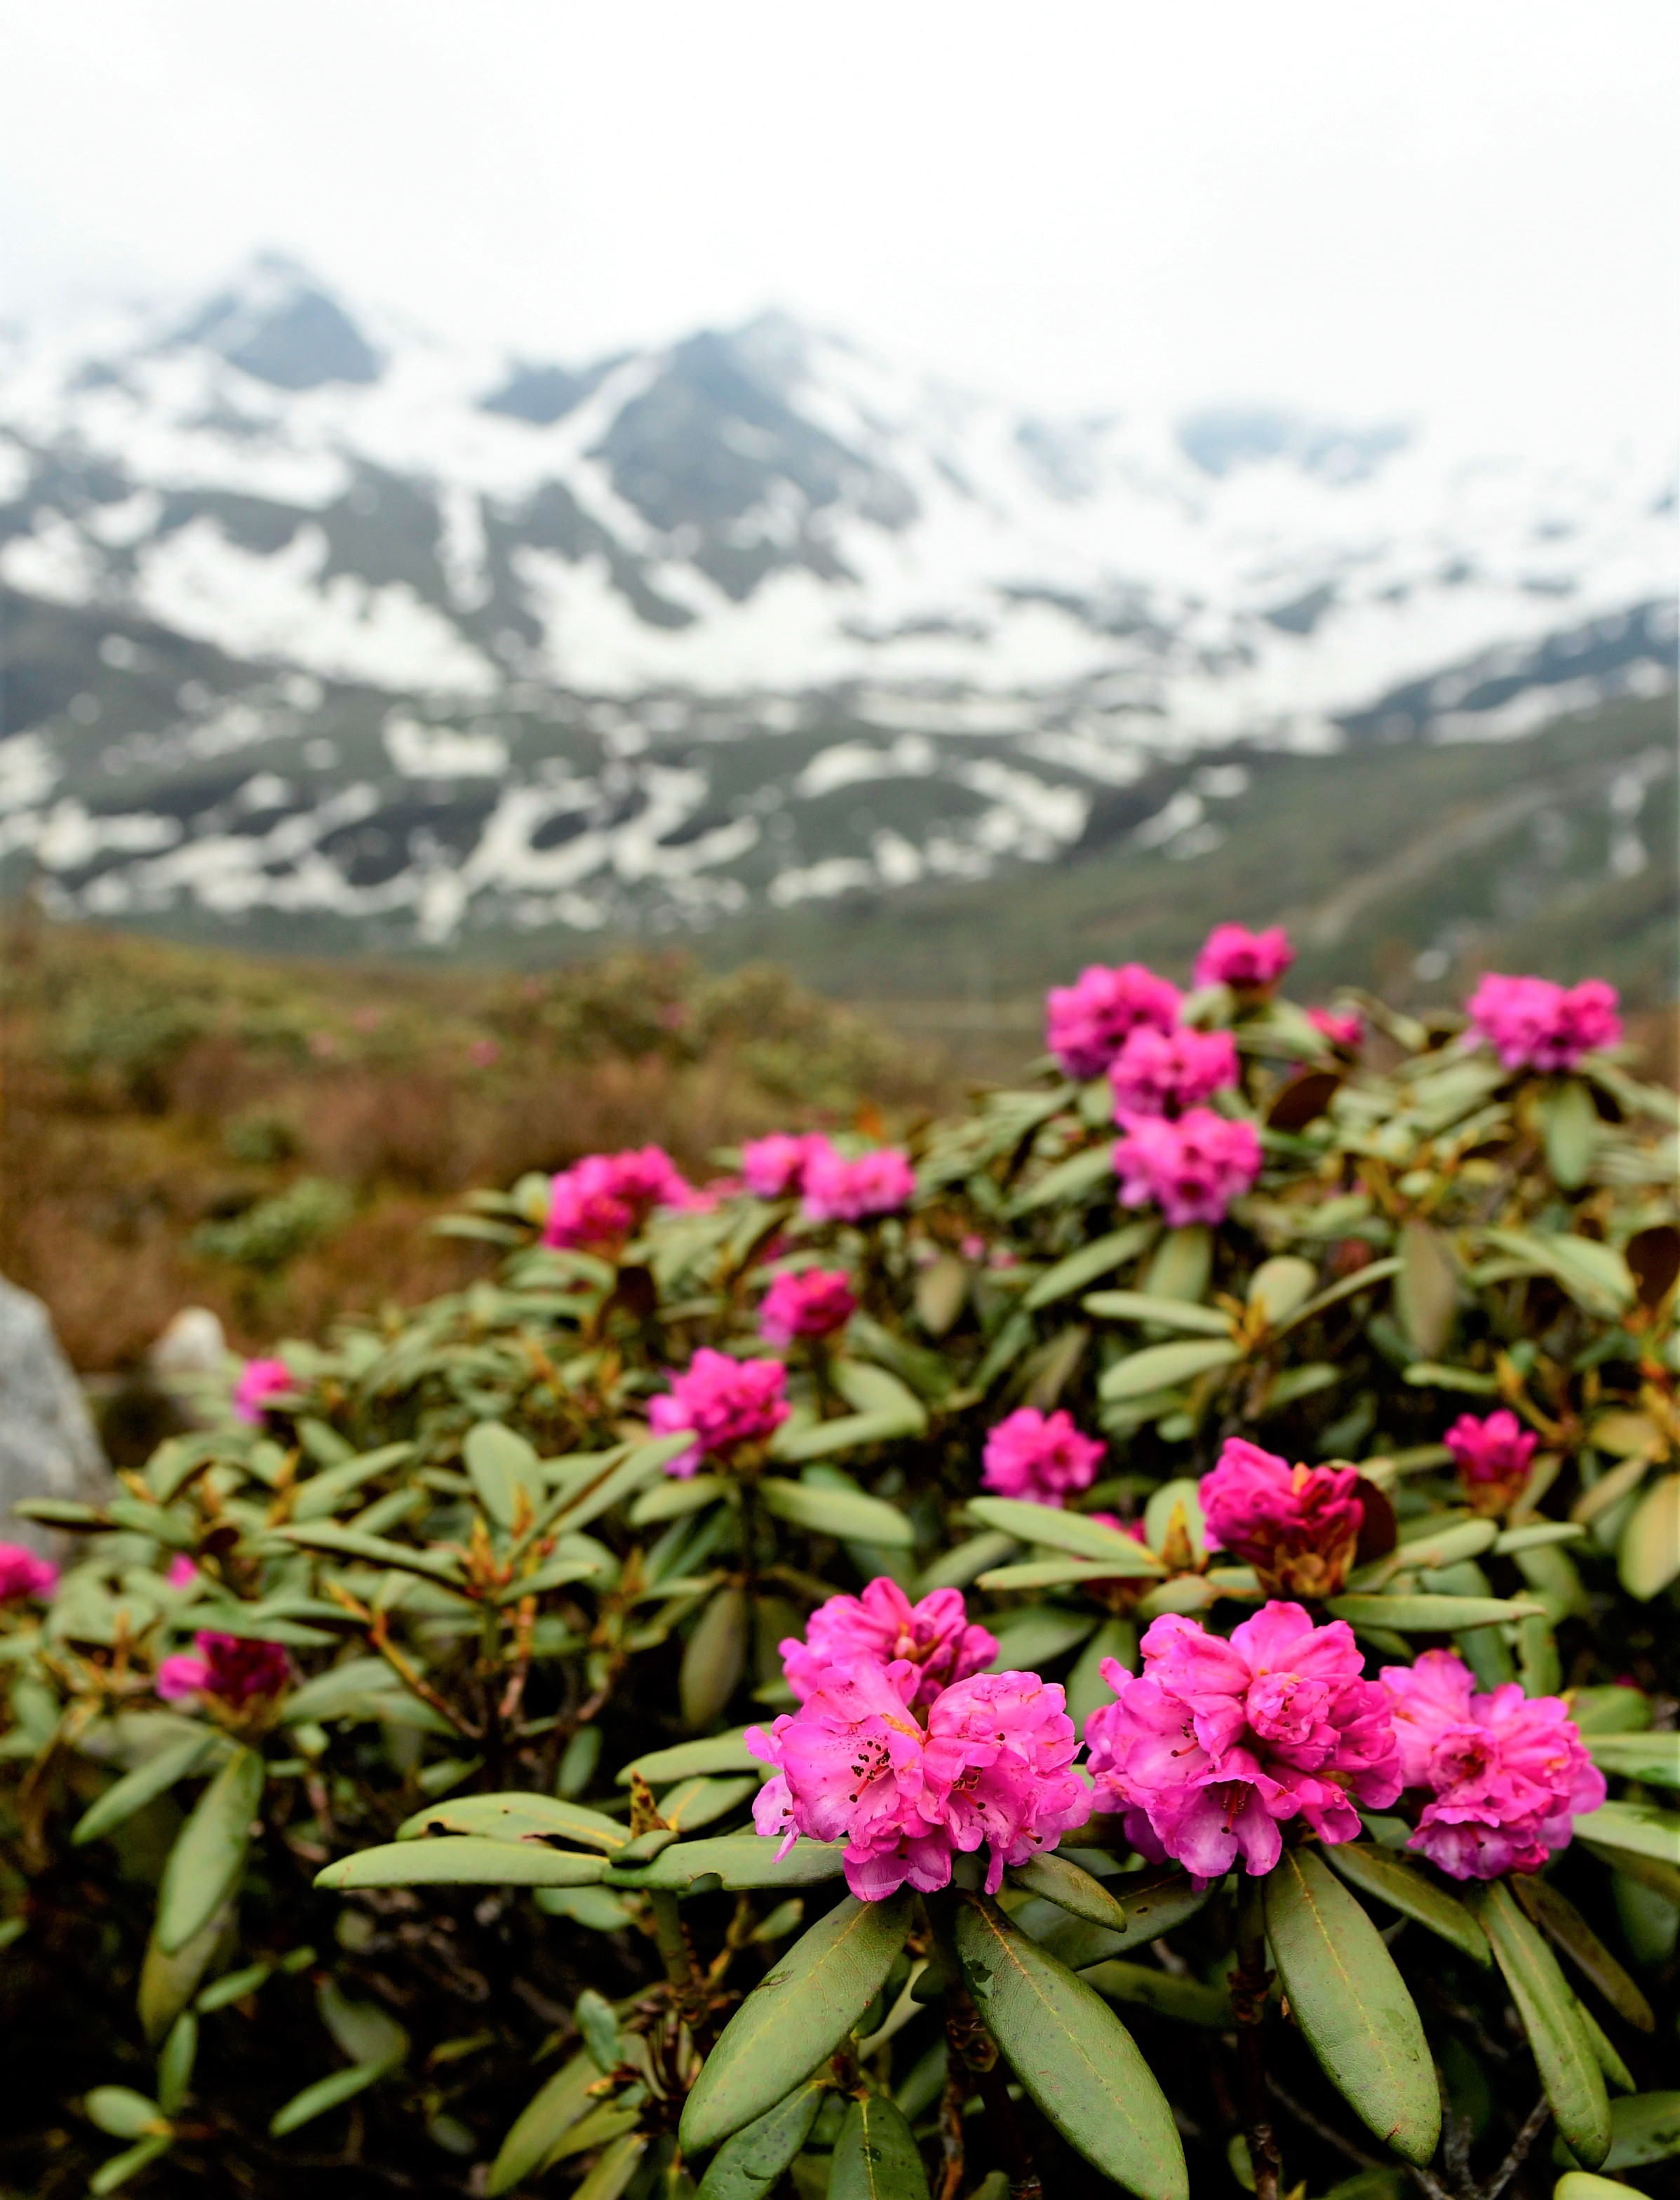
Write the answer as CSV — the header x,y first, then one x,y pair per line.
x,y
48,1446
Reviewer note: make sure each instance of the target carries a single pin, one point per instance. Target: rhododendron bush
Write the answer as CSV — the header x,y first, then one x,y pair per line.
x,y
1124,1640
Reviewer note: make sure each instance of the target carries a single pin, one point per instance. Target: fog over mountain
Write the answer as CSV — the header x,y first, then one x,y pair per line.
x,y
311,617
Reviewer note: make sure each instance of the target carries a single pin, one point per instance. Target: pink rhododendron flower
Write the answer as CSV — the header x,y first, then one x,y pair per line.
x,y
993,1767
1216,1742
806,1303
773,1167
1532,1024
725,1402
1248,962
259,1381
1343,1028
605,1198
1191,1169
933,1636
24,1573
1508,1772
1086,1024
1160,1072
182,1574
839,1190
1296,1526
1039,1456
228,1667
1492,1457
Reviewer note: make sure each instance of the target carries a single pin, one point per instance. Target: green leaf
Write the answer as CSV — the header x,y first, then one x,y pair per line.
x,y
1164,1366
613,1479
1569,2069
1069,1888
461,1860
1425,1292
1582,2185
1029,1641
1639,1828
1571,1124
876,2156
671,1500
1182,1264
1352,2004
850,1432
542,2123
1430,1615
615,2168
177,1761
1072,2054
1052,1573
1644,2128
713,1658
1187,2001
1281,1286
1595,1275
747,2166
1056,1531
168,1981
1099,1258
361,2029
325,1493
796,2018
736,1861
326,2093
1430,1375
1074,1180
1378,1872
846,1513
518,1818
122,2167
1172,1314
175,2064
718,1753
700,1802
1654,1757
503,1464
375,1550
1562,1923
209,1853
1648,1557
868,1389
122,2113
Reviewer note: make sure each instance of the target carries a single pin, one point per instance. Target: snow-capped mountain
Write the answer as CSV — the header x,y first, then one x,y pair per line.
x,y
309,613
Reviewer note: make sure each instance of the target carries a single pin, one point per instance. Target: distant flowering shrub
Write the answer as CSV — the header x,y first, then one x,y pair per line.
x,y
1248,962
726,1403
1343,1027
773,1167
259,1381
934,1636
1087,1023
25,1574
1159,1073
842,1189
1531,1023
605,1198
1493,1458
992,1768
1507,1773
1191,1169
1219,1741
231,1668
806,1303
1040,1456
1296,1526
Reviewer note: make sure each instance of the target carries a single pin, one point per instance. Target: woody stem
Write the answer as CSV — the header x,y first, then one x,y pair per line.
x,y
1249,1986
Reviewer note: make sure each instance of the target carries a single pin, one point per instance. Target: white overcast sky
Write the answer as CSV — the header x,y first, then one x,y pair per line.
x,y
1462,207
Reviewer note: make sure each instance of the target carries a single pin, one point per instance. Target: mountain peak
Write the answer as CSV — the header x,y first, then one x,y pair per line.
x,y
277,321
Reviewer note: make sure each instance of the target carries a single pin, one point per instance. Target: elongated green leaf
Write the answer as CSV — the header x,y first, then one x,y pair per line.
x,y
796,2019
1346,1287
136,1789
325,1493
1071,1889
122,2167
1430,1615
1187,2001
542,2123
209,1853
1073,1179
1639,1828
714,1658
1569,2069
121,2113
460,1860
1379,1872
1051,1529
849,1432
1425,1292
518,1818
326,2093
876,2156
747,2166
1164,1366
1281,1286
1595,1275
1649,1553
869,1389
718,1753
1352,2004
602,1490
377,1550
1072,2054
1029,1641
846,1513
670,1500
617,2165
1099,1258
1172,1314
501,1462
168,1981
1654,1757
699,1802
1644,2128
1563,1924
736,1860
1051,1573
1582,2185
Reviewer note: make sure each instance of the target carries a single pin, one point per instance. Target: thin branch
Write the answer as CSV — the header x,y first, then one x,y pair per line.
x,y
1539,2117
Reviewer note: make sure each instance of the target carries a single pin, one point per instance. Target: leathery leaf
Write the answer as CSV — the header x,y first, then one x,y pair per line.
x,y
876,2156
1569,2068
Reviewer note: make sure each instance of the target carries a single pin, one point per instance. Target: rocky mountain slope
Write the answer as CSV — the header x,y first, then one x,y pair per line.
x,y
316,625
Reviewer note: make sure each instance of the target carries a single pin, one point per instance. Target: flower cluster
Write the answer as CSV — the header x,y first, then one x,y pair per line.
x,y
1531,1023
605,1198
1296,1526
725,1403
806,1303
1159,1073
1248,962
839,1188
1087,1023
1217,1741
1506,1774
1492,1457
1039,1456
1343,1027
773,1167
231,1668
1191,1169
259,1380
934,1635
23,1575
